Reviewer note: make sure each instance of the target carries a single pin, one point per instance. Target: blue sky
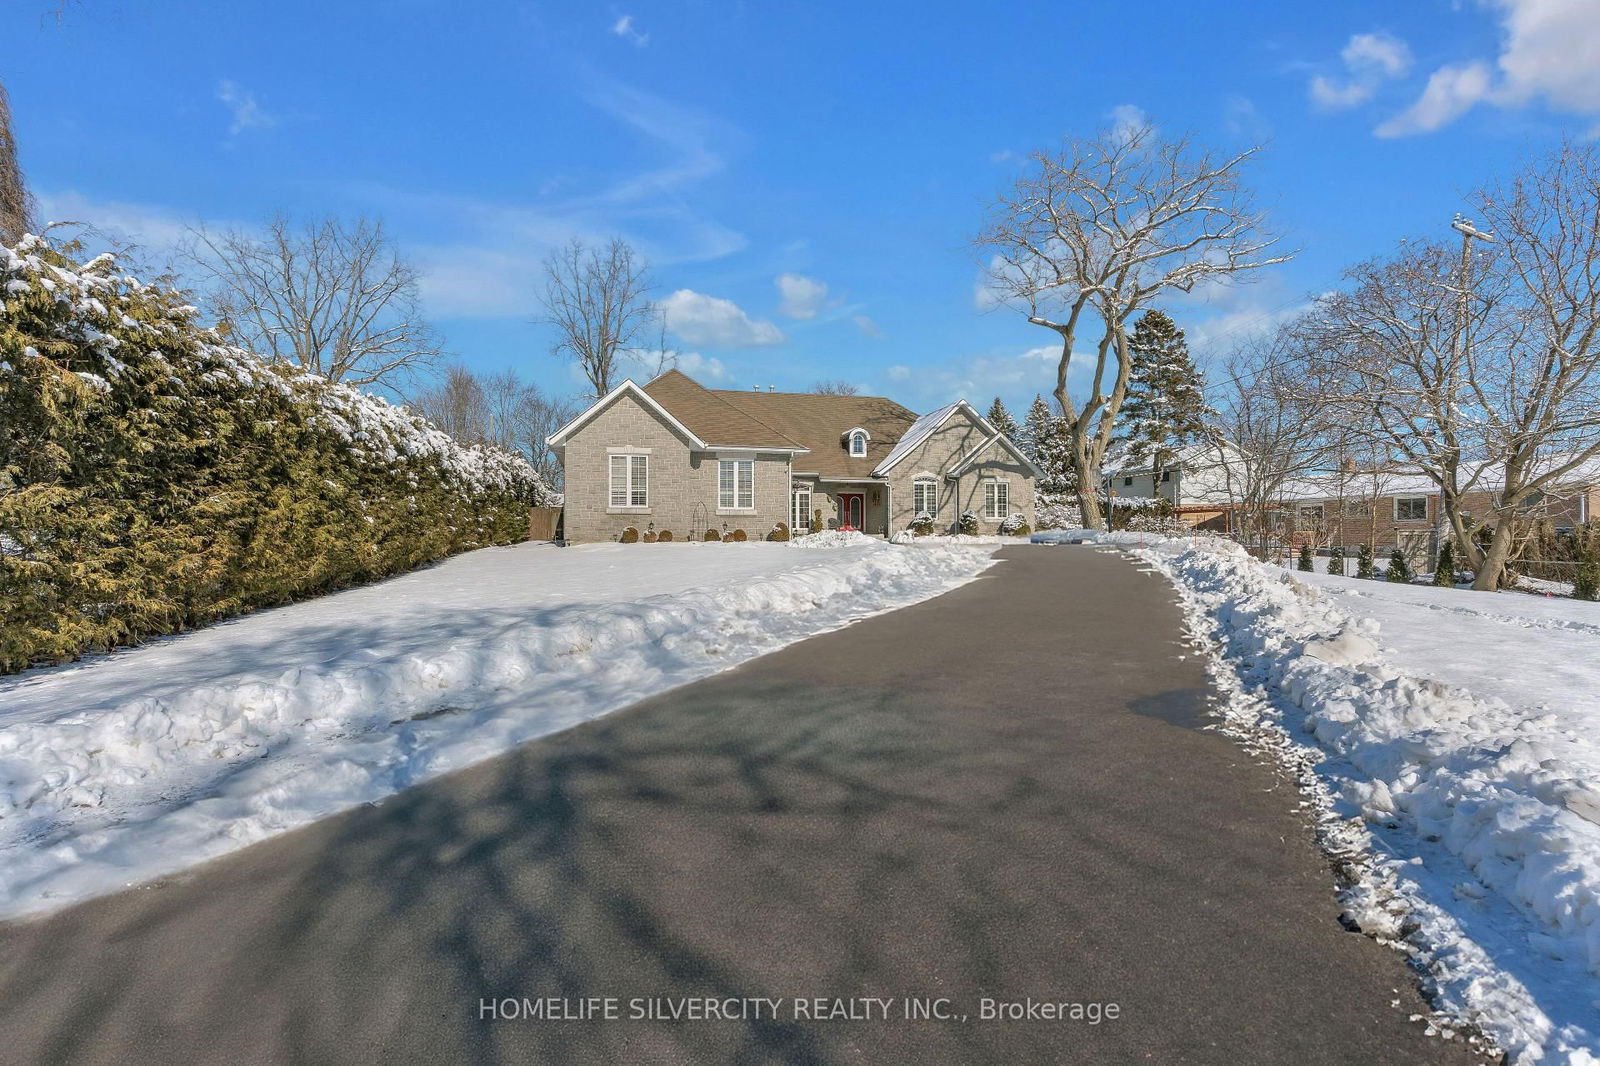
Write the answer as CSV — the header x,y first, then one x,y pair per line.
x,y
849,148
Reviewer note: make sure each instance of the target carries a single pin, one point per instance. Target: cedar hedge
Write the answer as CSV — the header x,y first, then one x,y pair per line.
x,y
153,479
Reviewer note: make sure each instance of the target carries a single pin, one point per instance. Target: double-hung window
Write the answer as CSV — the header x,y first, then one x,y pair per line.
x,y
630,480
996,499
736,484
925,497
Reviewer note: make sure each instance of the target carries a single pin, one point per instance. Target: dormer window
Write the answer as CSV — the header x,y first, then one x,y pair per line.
x,y
856,441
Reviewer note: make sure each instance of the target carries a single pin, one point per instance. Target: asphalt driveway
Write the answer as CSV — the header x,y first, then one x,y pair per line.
x,y
1000,794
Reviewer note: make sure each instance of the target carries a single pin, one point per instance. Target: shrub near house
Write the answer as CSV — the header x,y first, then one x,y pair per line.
x,y
154,479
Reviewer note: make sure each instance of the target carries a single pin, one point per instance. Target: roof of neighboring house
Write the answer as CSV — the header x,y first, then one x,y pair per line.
x,y
820,423
710,416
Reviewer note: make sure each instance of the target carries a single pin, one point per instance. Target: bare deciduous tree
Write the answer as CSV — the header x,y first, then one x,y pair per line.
x,y
1538,388
15,205
1279,434
1391,353
499,409
1103,226
598,301
835,388
332,298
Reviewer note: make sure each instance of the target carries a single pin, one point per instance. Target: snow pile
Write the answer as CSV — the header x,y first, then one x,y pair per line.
x,y
119,769
1485,819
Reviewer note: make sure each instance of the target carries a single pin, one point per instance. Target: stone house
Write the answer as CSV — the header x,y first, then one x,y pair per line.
x,y
675,455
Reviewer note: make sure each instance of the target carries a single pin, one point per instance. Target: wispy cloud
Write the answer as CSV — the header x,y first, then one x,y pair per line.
x,y
625,28
1369,59
247,112
1126,120
868,327
495,267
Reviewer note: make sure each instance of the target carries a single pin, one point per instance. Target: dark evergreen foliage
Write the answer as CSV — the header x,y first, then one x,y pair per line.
x,y
153,479
1444,570
1305,563
1336,560
1365,566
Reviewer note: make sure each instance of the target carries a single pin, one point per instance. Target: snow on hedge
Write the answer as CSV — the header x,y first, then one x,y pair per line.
x,y
125,767
1482,820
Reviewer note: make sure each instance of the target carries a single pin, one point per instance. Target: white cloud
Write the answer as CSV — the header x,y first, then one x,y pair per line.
x,y
1241,118
624,28
697,318
898,373
803,297
1550,53
1451,92
701,368
1126,120
868,327
158,229
248,114
1369,60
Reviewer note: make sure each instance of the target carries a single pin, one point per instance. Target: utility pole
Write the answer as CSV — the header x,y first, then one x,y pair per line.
x,y
1469,233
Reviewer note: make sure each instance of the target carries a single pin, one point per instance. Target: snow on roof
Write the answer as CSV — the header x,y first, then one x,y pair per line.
x,y
920,431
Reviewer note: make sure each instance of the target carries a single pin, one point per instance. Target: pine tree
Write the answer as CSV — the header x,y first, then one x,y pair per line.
x,y
1046,442
1002,421
1587,585
1165,409
1444,571
1364,563
1336,560
1399,569
1306,564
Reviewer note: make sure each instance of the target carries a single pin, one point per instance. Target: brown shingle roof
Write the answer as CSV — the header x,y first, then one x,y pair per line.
x,y
711,418
820,422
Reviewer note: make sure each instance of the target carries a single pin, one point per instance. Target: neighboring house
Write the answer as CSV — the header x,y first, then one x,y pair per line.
x,y
1402,510
1201,481
674,455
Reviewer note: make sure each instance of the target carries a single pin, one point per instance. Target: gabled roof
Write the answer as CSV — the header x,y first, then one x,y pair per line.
x,y
820,423
920,430
963,464
627,388
717,422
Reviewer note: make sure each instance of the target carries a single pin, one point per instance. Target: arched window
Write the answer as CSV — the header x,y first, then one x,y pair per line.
x,y
856,440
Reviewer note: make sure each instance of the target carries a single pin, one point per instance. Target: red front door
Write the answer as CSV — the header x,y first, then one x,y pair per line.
x,y
852,510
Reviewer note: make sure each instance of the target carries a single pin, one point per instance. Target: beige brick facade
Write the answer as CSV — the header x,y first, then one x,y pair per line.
x,y
681,482
947,446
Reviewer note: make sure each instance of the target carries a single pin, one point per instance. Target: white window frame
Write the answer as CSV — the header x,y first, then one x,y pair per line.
x,y
740,495
858,437
925,485
635,482
1312,511
800,518
1398,500
996,500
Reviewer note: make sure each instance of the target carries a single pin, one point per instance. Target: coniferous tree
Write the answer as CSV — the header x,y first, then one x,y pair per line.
x,y
1587,585
1444,571
1165,408
1002,421
1306,564
1399,570
1336,560
1365,566
1048,446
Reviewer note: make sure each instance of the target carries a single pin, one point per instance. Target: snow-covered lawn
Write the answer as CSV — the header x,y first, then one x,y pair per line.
x,y
1450,741
128,766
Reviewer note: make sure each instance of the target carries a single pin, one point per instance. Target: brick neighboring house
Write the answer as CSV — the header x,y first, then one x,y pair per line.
x,y
1403,510
675,455
1386,508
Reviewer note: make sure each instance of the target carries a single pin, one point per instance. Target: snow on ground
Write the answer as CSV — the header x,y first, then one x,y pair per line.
x,y
1452,739
125,767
